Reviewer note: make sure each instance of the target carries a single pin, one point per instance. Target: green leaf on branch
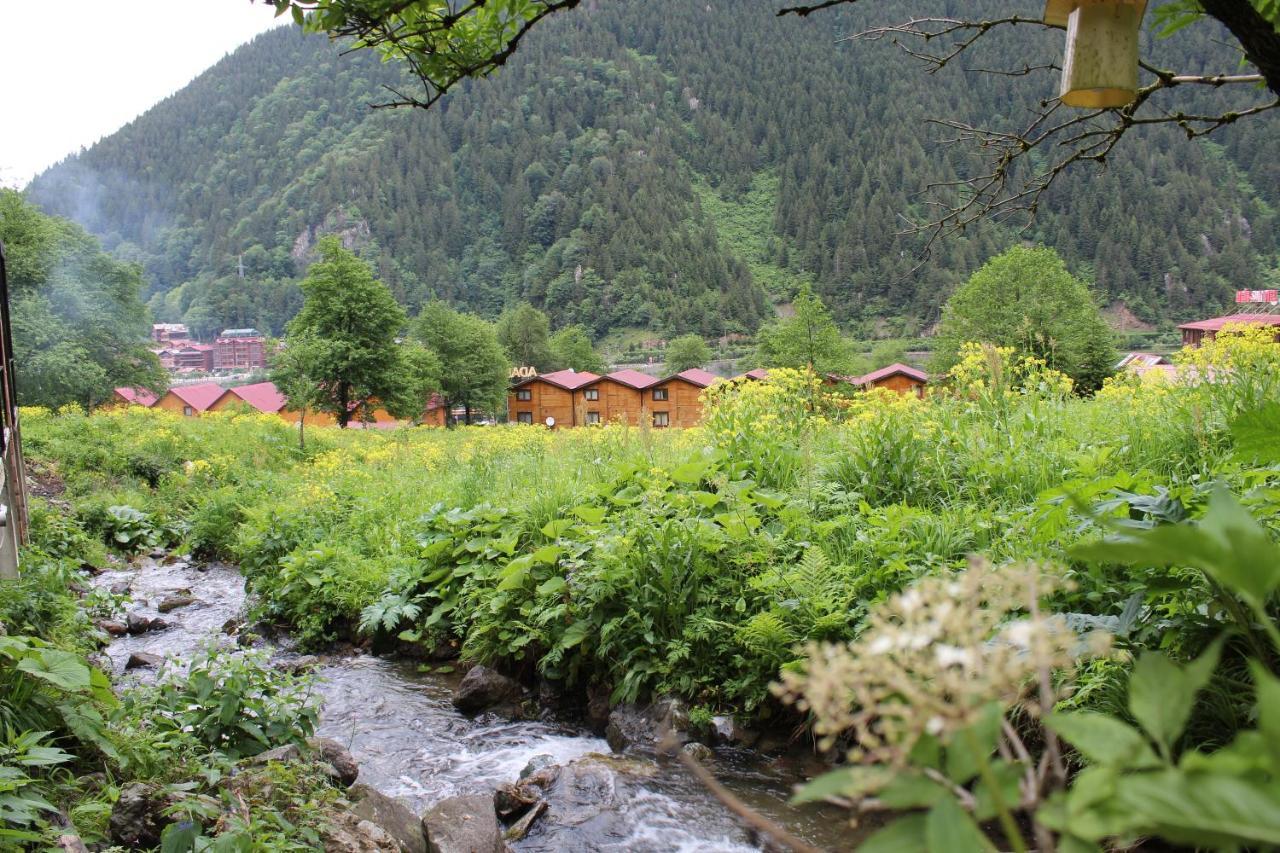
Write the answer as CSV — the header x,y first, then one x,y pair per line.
x,y
1161,693
1103,739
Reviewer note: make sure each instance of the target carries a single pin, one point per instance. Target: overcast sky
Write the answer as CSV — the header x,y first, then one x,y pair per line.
x,y
71,77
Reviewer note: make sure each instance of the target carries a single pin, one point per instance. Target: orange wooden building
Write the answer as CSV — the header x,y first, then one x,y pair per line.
x,y
551,399
130,397
1194,334
190,400
619,397
680,397
896,377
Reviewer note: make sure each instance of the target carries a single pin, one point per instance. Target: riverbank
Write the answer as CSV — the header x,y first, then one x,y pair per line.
x,y
414,747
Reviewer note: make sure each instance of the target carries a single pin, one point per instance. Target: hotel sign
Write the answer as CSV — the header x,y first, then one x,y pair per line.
x,y
1270,297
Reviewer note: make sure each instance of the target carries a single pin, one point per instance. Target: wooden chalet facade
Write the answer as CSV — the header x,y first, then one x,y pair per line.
x,y
630,397
190,400
896,377
680,397
553,396
1194,334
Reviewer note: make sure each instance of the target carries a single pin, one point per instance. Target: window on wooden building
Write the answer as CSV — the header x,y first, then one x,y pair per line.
x,y
661,419
188,411
591,394
524,417
524,394
660,394
593,417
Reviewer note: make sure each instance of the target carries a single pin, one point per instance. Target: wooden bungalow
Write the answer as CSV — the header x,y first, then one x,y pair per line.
x,y
190,400
623,396
551,398
679,397
896,377
131,397
1194,334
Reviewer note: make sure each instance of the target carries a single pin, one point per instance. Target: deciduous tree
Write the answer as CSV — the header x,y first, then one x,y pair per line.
x,y
808,338
474,370
79,324
525,333
572,348
685,352
1026,299
350,322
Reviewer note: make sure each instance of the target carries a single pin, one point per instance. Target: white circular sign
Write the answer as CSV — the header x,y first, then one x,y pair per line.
x,y
551,421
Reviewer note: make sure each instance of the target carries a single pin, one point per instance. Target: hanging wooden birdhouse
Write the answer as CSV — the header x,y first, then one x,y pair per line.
x,y
1100,66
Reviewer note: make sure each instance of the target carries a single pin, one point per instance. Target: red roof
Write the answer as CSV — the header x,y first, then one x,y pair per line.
x,y
633,379
695,376
1217,323
758,373
263,396
198,397
569,380
137,396
891,370
435,401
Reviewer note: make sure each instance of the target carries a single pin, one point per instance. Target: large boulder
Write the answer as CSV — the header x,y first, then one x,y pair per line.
x,y
586,800
143,660
346,833
465,824
175,600
137,818
393,816
483,688
337,757
631,727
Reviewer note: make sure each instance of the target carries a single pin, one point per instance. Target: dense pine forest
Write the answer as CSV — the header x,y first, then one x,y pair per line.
x,y
682,169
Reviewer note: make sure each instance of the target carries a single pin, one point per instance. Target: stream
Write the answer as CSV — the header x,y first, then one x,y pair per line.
x,y
410,742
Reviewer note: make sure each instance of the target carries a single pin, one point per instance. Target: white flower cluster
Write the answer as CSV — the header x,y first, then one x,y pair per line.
x,y
934,657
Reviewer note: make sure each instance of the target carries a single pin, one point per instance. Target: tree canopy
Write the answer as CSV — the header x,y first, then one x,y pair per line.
x,y
807,338
1025,298
474,370
685,352
350,323
571,347
525,334
79,324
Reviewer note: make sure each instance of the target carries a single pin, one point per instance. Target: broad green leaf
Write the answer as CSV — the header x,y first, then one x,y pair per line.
x,y
555,529
912,791
690,472
575,634
948,829
590,514
1161,693
552,586
1203,809
1268,690
1008,779
1228,544
963,760
547,554
843,782
1103,739
903,835
59,668
1255,435
705,499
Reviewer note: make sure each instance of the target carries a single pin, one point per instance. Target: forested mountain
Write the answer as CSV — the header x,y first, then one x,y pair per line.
x,y
676,165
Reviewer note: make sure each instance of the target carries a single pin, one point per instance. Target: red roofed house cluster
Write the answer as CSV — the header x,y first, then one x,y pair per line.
x,y
569,398
194,400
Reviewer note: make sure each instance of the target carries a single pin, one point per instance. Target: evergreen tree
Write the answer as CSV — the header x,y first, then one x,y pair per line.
x,y
1026,299
685,352
474,370
350,322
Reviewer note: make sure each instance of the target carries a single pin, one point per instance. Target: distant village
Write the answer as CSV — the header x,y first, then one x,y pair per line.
x,y
563,398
